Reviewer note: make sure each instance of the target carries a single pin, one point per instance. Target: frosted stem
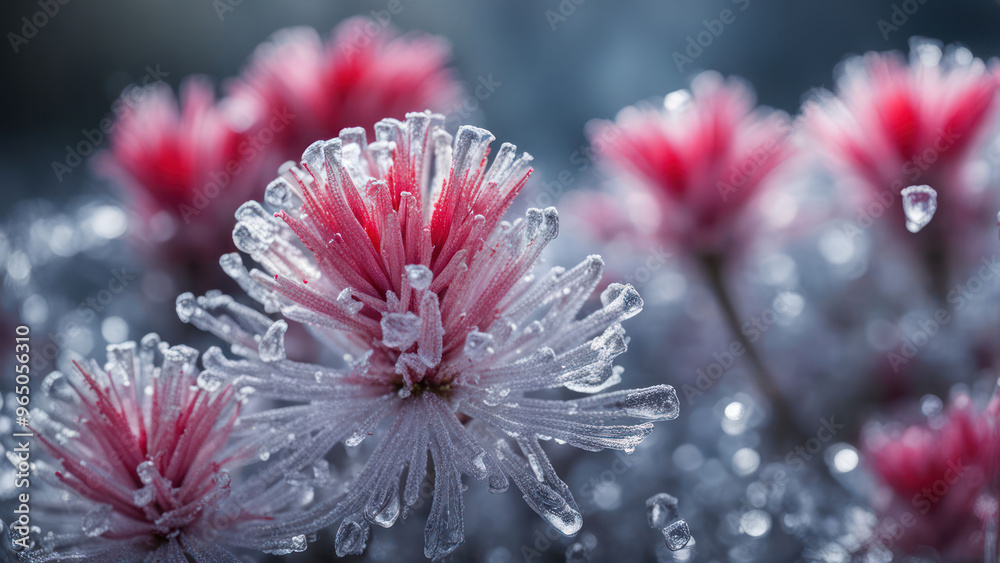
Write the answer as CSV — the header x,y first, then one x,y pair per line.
x,y
712,266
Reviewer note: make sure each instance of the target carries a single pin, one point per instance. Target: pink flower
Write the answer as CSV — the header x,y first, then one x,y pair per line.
x,y
895,123
185,168
937,477
364,73
701,159
144,451
446,325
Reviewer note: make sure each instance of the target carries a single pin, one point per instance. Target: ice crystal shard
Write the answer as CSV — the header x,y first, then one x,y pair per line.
x,y
677,535
286,546
919,205
272,344
655,403
352,536
661,509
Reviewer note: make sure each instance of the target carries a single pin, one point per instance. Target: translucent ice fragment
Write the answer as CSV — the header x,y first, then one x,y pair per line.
x,y
285,546
419,276
400,330
272,344
661,509
624,298
656,403
478,345
919,205
677,535
352,536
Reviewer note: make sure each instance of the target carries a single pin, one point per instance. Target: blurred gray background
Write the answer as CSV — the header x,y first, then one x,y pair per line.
x,y
599,57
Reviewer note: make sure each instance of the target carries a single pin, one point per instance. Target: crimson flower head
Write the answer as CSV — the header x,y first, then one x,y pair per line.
x,y
940,475
408,267
185,166
700,160
896,123
141,449
365,72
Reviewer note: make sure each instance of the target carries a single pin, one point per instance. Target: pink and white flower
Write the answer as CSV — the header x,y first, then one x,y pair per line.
x,y
697,163
409,270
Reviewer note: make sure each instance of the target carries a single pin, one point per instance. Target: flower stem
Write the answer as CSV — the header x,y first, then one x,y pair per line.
x,y
784,420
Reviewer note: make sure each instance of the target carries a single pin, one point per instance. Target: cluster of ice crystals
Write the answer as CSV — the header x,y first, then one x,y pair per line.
x,y
661,511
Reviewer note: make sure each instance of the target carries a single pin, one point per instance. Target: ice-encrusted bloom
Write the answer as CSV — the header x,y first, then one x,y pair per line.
x,y
895,123
185,166
699,160
943,473
143,458
410,271
366,71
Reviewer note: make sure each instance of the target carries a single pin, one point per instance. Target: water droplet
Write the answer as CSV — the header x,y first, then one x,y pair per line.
x,y
677,535
661,509
387,517
919,205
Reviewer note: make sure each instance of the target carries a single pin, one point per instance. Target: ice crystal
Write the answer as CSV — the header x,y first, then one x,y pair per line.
x,y
919,205
409,270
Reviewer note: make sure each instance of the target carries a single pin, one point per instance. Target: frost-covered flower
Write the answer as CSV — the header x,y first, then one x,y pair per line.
x,y
365,72
940,476
185,167
143,458
447,327
699,160
895,123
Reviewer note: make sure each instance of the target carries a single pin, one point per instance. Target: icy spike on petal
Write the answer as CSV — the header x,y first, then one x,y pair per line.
x,y
272,344
352,536
661,509
286,546
919,205
654,403
677,535
624,298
